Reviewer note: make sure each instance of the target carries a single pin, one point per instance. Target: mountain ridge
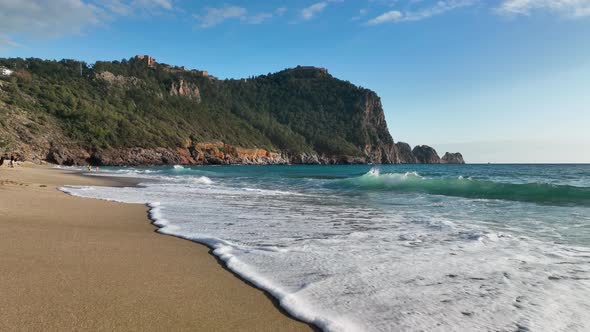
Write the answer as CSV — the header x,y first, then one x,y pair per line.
x,y
140,112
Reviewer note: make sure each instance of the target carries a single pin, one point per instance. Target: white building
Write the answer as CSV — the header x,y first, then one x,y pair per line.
x,y
5,71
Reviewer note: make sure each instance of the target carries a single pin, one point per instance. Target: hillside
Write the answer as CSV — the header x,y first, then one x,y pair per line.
x,y
140,112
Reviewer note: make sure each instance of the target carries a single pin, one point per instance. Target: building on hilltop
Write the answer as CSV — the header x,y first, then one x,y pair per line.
x,y
5,71
150,62
203,73
312,68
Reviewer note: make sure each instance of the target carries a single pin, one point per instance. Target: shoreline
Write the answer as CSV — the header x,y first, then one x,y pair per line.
x,y
222,300
242,278
135,182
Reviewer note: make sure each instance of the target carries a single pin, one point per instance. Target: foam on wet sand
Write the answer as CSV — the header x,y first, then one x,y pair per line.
x,y
71,263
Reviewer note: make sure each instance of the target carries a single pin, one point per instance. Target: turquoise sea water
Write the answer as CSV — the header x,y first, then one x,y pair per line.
x,y
392,247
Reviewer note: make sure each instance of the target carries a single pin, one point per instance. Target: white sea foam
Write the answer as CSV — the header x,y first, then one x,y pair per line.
x,y
346,265
202,180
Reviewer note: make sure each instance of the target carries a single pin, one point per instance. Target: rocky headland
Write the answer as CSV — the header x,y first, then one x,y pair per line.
x,y
140,112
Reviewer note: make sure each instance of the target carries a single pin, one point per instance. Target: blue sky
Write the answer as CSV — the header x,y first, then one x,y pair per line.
x,y
500,81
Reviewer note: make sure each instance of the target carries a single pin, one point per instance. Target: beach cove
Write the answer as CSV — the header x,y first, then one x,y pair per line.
x,y
387,247
73,263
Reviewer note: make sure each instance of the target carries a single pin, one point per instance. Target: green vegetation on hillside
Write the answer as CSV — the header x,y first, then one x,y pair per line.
x,y
297,110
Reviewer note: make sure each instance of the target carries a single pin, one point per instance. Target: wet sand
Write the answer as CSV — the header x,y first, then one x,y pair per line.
x,y
71,263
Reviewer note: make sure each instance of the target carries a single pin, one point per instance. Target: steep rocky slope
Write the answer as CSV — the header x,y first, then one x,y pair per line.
x,y
135,112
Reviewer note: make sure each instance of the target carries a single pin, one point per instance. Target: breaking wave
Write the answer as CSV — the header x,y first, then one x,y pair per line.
x,y
542,193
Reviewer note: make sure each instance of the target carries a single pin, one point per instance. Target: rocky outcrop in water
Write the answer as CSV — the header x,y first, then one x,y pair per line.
x,y
405,154
452,158
425,154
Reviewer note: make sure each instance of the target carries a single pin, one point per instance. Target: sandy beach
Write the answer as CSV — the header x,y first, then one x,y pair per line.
x,y
81,264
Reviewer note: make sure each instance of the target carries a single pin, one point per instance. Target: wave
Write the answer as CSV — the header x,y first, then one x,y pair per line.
x,y
542,193
202,180
317,255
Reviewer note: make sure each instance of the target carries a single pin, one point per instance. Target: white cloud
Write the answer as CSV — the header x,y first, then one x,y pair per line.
x,y
390,16
264,16
128,7
439,8
568,8
117,7
47,18
258,18
310,12
216,16
166,4
42,18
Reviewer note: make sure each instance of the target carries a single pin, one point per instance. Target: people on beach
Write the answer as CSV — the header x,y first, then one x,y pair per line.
x,y
89,168
10,161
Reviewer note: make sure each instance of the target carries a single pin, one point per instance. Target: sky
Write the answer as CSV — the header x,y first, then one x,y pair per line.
x,y
498,80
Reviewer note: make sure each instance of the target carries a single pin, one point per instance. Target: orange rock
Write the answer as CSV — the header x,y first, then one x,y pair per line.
x,y
185,156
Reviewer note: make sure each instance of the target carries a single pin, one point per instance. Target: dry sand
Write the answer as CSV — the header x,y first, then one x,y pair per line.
x,y
70,263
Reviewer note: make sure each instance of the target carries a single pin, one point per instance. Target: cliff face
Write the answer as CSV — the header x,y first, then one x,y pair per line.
x,y
218,153
380,148
184,89
215,153
137,113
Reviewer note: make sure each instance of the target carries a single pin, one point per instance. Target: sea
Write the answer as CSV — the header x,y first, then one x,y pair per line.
x,y
388,248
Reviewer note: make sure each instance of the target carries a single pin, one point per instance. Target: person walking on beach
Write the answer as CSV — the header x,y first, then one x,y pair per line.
x,y
11,163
